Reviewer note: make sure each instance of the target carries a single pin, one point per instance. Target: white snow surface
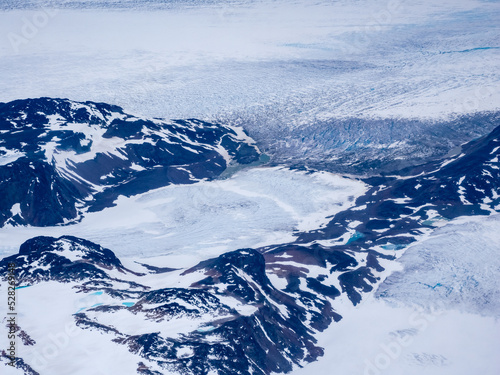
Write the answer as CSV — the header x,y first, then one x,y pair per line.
x,y
9,156
310,60
45,311
254,207
376,338
457,266
409,327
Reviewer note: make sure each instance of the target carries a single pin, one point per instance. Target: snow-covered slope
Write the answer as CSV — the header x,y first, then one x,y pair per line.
x,y
324,84
306,80
252,208
456,267
297,62
437,315
265,270
59,159
222,316
262,311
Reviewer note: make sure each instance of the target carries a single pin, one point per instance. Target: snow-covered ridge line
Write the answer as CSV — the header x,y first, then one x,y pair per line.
x,y
223,314
274,300
82,156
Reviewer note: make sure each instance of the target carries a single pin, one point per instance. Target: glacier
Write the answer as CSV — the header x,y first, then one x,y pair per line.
x,y
358,235
436,314
253,208
308,63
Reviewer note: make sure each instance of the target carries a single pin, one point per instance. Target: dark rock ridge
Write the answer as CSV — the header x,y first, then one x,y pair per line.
x,y
62,259
395,212
246,324
272,333
257,310
59,158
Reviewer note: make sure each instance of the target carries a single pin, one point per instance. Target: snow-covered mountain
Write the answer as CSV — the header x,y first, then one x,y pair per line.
x,y
249,311
333,209
67,259
59,159
223,315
